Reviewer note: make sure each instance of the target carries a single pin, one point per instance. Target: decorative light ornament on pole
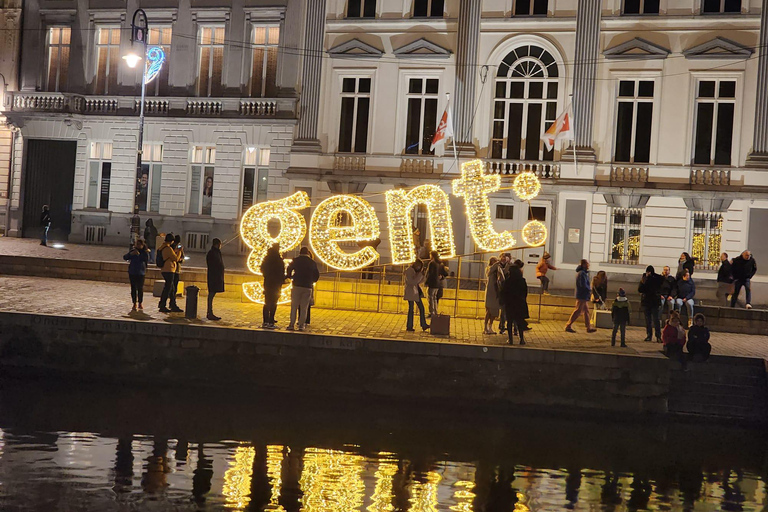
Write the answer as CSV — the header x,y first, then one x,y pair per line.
x,y
534,233
526,185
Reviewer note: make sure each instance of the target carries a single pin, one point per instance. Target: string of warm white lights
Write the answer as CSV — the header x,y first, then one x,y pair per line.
x,y
399,207
526,185
535,233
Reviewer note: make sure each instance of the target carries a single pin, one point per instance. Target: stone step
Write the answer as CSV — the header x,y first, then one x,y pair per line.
x,y
676,406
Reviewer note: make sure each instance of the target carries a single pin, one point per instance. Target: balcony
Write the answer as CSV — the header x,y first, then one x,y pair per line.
x,y
629,175
65,103
711,177
542,170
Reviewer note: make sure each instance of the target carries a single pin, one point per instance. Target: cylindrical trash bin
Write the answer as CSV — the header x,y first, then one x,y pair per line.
x,y
191,310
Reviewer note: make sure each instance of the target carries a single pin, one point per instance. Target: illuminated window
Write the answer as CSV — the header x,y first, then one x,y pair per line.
x,y
421,121
58,58
633,121
625,229
160,36
149,179
525,104
361,9
641,6
107,59
264,61
428,8
255,177
211,60
529,7
355,109
715,105
706,238
99,175
201,180
721,6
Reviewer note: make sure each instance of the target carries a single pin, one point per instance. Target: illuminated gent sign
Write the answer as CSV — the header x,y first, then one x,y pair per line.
x,y
344,219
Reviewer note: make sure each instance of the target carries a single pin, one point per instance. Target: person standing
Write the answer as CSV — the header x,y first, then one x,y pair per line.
x,y
412,293
541,272
170,258
514,296
273,270
435,275
724,279
620,314
215,263
502,272
743,269
150,238
177,275
45,223
686,291
583,293
137,259
649,287
304,273
425,251
492,304
667,292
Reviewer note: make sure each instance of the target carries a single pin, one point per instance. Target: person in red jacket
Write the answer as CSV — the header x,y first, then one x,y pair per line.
x,y
673,337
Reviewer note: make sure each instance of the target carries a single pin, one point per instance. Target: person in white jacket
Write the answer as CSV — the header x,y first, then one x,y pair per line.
x,y
413,294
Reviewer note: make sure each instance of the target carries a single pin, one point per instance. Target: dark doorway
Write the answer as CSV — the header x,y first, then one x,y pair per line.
x,y
49,178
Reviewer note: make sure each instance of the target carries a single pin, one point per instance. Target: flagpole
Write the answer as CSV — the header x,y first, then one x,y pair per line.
x,y
573,120
447,106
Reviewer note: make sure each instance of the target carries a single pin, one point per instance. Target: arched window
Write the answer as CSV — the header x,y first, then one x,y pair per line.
x,y
525,104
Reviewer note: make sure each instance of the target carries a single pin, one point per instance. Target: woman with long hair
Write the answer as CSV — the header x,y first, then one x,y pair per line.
x,y
492,305
600,288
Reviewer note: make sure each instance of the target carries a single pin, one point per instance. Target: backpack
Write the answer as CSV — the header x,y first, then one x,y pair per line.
x,y
159,259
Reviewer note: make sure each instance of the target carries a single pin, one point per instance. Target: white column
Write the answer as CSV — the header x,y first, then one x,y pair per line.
x,y
306,134
759,155
466,75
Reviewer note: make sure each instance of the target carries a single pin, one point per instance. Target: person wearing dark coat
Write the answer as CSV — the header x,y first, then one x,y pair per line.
x,y
686,262
137,268
215,263
273,270
583,294
668,291
45,223
698,339
650,287
304,273
620,313
724,279
514,298
743,270
150,238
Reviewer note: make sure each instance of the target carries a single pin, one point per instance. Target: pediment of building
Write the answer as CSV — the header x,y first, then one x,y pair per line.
x,y
355,48
718,48
422,48
636,48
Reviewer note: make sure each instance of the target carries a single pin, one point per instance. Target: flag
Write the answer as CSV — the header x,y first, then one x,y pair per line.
x,y
560,129
444,130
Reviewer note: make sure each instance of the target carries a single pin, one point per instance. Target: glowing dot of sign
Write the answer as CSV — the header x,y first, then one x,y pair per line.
x,y
399,207
535,233
526,186
325,234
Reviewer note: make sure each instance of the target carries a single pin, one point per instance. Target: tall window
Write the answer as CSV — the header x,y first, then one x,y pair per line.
x,y
160,36
719,6
255,177
201,180
99,175
625,229
149,178
361,9
422,115
633,121
525,105
706,238
529,7
107,59
428,8
264,61
211,60
58,58
641,6
355,106
715,103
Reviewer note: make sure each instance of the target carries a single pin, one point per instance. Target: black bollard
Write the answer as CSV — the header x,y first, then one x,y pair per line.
x,y
191,309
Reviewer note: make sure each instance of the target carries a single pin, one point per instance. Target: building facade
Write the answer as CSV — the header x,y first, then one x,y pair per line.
x,y
10,19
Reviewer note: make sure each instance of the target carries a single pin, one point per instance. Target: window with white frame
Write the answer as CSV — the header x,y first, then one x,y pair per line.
x,y
99,175
529,7
361,9
634,113
149,179
715,106
428,8
355,110
706,239
107,58
201,180
264,60
625,235
525,104
58,58
210,60
721,6
160,36
255,177
641,7
421,118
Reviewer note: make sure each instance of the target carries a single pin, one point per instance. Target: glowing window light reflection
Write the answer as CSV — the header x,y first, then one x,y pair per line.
x,y
463,495
274,474
381,501
424,494
237,479
331,481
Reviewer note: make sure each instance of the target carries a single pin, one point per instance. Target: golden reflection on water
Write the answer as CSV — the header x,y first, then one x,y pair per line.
x,y
424,494
463,495
237,479
274,474
332,481
383,492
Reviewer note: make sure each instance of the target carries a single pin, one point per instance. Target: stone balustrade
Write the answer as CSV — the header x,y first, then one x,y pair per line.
x,y
349,163
629,174
258,107
417,165
542,170
712,177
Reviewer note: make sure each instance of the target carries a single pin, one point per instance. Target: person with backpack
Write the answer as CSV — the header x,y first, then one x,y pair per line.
x,y
137,259
215,263
168,259
150,238
621,311
273,270
304,273
45,223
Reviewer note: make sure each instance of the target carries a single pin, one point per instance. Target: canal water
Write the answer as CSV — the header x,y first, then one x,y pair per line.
x,y
90,447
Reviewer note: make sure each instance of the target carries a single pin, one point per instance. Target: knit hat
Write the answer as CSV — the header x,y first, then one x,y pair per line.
x,y
622,293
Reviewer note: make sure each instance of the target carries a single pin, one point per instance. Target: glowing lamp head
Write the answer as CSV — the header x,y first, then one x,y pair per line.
x,y
132,59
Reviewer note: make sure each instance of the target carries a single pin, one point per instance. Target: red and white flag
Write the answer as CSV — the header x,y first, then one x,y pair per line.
x,y
560,130
444,129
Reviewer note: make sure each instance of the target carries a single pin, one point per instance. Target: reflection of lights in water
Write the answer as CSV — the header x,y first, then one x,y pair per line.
x,y
274,474
237,479
331,481
381,501
522,503
58,246
463,495
424,495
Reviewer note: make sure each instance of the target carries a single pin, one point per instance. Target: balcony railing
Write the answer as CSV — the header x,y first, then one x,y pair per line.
x,y
543,170
417,165
65,103
349,163
629,174
714,177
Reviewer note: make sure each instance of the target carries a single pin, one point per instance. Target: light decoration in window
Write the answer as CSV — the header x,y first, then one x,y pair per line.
x,y
474,186
534,233
399,206
325,235
526,185
254,231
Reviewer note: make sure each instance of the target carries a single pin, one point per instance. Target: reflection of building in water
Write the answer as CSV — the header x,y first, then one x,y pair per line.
x,y
424,494
237,479
381,500
274,474
331,481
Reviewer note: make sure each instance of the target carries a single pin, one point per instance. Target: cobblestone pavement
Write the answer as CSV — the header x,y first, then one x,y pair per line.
x,y
110,300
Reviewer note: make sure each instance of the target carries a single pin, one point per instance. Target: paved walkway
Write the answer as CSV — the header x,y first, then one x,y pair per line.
x,y
110,300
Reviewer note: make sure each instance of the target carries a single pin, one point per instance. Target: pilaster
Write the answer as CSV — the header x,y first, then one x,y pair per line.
x,y
466,75
759,155
306,133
